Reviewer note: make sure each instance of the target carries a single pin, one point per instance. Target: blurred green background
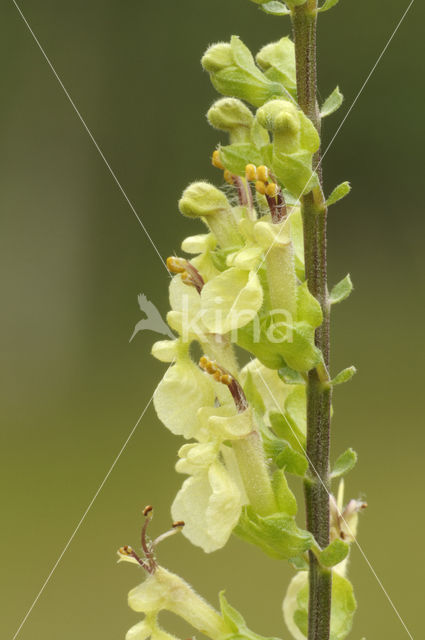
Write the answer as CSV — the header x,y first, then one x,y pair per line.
x,y
73,259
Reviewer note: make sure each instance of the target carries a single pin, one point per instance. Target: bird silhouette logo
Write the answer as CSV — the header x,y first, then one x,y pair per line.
x,y
153,320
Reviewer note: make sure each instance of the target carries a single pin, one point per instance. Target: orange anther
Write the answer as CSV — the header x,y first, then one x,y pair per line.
x,y
228,177
272,189
251,172
262,173
216,160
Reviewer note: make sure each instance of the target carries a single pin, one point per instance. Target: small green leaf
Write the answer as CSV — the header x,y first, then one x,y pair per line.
x,y
344,376
328,4
341,291
235,157
275,8
334,553
344,463
290,376
332,103
338,193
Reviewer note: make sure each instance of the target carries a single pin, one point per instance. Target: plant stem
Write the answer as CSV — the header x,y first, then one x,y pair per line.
x,y
314,212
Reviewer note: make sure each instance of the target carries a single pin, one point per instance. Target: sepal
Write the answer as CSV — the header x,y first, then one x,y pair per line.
x,y
277,535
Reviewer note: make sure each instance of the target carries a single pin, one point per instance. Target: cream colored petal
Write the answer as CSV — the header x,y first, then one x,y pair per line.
x,y
140,631
231,300
199,243
166,350
210,505
196,458
149,596
183,390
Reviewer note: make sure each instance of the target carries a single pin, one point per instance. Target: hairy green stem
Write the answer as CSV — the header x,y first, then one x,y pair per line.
x,y
304,18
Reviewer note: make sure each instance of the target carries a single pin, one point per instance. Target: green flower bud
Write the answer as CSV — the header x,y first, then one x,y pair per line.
x,y
282,118
218,56
277,60
203,200
295,140
230,114
234,73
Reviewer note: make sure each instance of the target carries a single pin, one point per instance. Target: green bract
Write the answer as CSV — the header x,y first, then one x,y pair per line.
x,y
233,73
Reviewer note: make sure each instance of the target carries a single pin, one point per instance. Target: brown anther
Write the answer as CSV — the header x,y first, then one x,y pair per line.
x,y
272,189
176,265
216,162
251,172
228,177
260,187
147,510
262,173
178,524
126,550
225,377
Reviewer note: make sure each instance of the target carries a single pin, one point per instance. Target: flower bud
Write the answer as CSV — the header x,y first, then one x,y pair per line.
x,y
234,73
218,56
277,60
202,199
230,114
282,118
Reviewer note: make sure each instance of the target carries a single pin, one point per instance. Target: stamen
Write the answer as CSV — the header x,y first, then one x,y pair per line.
x,y
215,160
128,552
176,265
176,528
228,176
225,377
190,275
272,189
260,187
251,172
263,173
